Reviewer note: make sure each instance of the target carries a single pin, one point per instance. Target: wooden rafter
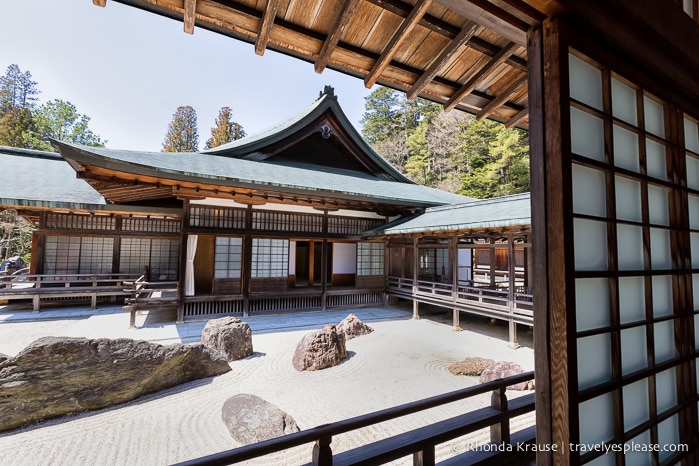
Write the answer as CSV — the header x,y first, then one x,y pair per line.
x,y
99,2
501,99
335,35
190,7
391,48
492,17
467,88
266,26
447,54
517,118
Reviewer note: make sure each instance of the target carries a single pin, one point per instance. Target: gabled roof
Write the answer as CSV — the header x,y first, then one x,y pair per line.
x,y
324,116
478,215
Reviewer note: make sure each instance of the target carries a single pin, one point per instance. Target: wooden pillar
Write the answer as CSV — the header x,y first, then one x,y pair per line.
x,y
511,290
182,263
454,261
528,261
324,259
247,261
416,260
492,262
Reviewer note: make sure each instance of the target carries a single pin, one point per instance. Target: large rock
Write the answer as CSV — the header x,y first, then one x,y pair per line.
x,y
3,357
505,369
353,327
56,376
320,349
470,366
229,336
250,419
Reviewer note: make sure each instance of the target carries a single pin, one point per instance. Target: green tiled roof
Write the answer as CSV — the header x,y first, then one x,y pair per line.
x,y
499,212
42,179
227,171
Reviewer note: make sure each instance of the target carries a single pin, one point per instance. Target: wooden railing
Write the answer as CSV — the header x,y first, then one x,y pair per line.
x,y
144,295
36,287
419,442
496,303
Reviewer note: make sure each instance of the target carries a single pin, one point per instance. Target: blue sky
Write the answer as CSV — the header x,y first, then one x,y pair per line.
x,y
129,71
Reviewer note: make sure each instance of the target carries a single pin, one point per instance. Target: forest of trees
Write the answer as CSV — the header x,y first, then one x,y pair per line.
x,y
450,151
26,123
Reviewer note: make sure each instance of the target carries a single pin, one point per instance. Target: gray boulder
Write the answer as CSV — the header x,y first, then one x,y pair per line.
x,y
320,349
3,357
353,327
229,336
504,369
57,376
250,419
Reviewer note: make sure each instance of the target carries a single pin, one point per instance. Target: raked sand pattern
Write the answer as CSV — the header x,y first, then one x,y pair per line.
x,y
403,360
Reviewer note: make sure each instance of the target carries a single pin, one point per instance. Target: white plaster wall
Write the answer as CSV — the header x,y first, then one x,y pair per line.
x,y
344,258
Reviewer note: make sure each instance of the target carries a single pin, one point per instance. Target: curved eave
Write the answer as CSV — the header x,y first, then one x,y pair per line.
x,y
82,156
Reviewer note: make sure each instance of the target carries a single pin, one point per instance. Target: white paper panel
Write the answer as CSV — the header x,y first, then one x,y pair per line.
x,y
668,434
694,243
660,249
696,335
664,341
636,410
658,212
596,424
604,460
692,172
626,149
693,212
655,120
630,247
695,292
589,191
634,354
688,7
591,303
594,360
656,165
635,456
624,102
666,389
585,82
587,134
631,299
691,136
662,295
590,239
628,199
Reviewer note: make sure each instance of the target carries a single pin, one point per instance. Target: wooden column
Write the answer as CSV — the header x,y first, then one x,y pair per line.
x,y
416,259
553,267
511,290
247,261
493,258
454,260
324,263
182,263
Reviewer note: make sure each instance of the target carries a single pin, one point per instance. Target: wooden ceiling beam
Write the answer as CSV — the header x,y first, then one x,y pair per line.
x,y
348,9
498,101
101,3
440,62
491,17
391,48
190,7
266,26
517,118
467,88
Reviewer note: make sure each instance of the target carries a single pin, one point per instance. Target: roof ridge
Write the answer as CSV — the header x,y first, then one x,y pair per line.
x,y
491,200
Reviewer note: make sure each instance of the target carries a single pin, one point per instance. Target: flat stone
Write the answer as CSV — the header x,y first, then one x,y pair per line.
x,y
470,366
504,369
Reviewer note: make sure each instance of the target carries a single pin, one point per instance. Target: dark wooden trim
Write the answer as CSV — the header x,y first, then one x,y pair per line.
x,y
330,43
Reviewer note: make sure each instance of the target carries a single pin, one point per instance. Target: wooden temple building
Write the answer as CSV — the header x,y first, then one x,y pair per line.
x,y
303,216
609,92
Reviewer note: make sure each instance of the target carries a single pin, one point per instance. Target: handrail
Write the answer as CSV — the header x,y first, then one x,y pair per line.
x,y
323,434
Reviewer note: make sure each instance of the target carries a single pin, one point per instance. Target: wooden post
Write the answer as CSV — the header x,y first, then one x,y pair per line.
x,y
511,290
416,259
500,433
492,262
324,260
247,261
322,453
182,263
424,457
454,256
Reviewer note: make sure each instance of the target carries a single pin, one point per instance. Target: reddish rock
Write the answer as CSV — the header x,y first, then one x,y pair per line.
x,y
320,349
505,369
353,327
470,366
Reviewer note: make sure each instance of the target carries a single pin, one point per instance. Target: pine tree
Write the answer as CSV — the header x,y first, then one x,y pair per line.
x,y
182,133
17,90
225,130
